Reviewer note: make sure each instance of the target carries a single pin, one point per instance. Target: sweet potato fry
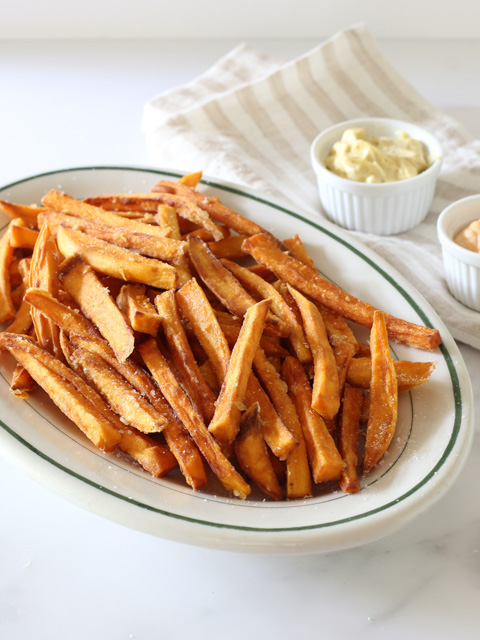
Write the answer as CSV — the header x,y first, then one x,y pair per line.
x,y
96,304
61,390
22,383
26,213
23,318
21,237
382,418
63,203
228,409
115,261
165,249
252,454
191,179
299,484
298,251
133,301
341,337
409,374
149,202
258,285
348,430
326,388
223,284
180,403
310,282
271,348
167,218
200,393
325,461
229,248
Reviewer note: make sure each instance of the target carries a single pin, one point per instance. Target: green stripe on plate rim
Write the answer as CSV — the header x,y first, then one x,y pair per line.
x,y
386,276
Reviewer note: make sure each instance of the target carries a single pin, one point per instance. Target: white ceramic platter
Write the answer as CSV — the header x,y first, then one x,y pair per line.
x,y
433,437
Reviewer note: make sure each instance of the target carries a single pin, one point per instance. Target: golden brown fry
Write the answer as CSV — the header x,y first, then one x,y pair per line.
x,y
326,388
200,393
22,383
96,304
191,179
279,306
63,203
348,430
56,382
165,249
229,248
232,331
23,319
22,237
382,418
133,301
228,409
252,454
7,309
409,374
26,213
150,202
180,403
120,395
115,261
168,219
223,284
311,283
325,461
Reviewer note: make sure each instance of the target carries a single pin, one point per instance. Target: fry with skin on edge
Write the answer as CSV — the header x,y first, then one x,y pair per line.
x,y
382,418
409,374
180,403
7,309
83,284
348,430
200,393
299,483
57,384
326,388
226,420
133,301
252,454
325,461
309,282
115,261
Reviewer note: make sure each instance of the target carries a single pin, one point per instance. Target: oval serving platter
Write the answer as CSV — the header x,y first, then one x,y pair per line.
x,y
430,446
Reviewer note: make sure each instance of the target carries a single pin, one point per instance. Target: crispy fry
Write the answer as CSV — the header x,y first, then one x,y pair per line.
x,y
232,331
150,202
165,249
22,237
168,219
22,383
63,203
180,403
299,484
133,301
61,390
409,374
23,318
258,285
326,388
341,337
115,261
325,461
200,393
252,454
229,248
348,429
26,213
310,282
298,251
226,287
191,179
226,420
382,418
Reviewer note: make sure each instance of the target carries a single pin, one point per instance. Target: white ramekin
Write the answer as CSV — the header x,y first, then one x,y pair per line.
x,y
384,208
462,267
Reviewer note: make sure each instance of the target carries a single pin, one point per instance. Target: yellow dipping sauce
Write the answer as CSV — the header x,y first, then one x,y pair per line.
x,y
469,238
365,158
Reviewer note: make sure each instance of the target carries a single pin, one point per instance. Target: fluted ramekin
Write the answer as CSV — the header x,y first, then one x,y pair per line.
x,y
381,208
462,266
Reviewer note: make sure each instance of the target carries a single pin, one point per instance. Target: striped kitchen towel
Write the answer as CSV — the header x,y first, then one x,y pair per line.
x,y
251,119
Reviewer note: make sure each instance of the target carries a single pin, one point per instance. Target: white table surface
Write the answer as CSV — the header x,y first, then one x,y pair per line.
x,y
67,574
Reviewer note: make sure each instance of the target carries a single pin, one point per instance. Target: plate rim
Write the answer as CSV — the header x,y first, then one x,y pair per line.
x,y
463,405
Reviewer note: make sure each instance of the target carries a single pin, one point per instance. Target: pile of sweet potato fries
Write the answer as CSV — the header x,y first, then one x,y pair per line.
x,y
186,335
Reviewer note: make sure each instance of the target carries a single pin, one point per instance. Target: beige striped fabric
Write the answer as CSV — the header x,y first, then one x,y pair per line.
x,y
251,119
